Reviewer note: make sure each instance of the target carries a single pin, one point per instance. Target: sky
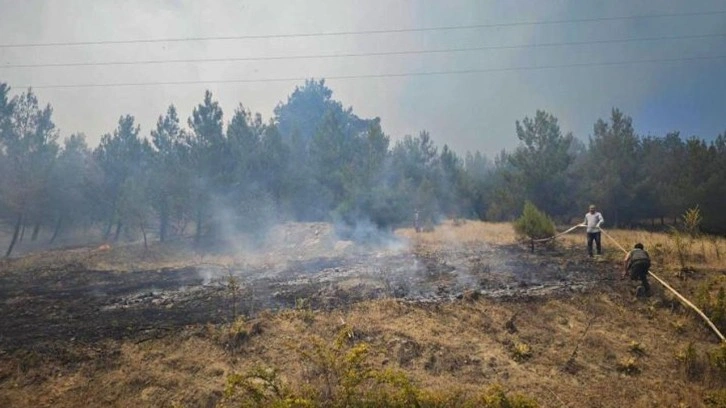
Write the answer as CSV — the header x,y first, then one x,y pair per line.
x,y
467,111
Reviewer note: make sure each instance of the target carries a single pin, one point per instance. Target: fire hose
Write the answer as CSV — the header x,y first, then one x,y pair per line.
x,y
559,234
675,292
651,273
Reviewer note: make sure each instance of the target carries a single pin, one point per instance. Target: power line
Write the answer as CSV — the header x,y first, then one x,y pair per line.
x,y
363,54
385,75
362,32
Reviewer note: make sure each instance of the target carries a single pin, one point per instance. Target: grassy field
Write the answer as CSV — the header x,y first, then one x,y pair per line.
x,y
669,252
600,348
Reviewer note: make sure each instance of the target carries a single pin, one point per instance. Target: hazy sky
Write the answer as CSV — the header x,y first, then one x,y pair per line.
x,y
467,111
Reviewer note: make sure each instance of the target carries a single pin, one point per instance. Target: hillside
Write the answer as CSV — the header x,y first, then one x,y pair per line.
x,y
461,315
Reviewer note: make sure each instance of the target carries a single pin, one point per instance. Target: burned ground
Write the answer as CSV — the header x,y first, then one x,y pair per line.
x,y
121,328
71,302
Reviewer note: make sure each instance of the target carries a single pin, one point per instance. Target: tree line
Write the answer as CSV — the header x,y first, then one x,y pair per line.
x,y
316,160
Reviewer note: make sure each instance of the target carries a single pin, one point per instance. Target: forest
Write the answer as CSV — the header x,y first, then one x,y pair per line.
x,y
211,176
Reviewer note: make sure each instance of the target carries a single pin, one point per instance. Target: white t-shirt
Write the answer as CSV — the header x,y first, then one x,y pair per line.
x,y
593,221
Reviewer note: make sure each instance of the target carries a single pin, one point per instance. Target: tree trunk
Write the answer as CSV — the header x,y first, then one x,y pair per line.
x,y
18,225
36,231
110,220
118,231
662,221
198,232
616,219
57,228
22,233
108,230
143,232
164,220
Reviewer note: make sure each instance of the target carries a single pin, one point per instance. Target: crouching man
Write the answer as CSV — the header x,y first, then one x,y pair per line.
x,y
637,263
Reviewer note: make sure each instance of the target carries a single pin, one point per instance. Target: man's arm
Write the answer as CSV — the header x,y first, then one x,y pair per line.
x,y
601,220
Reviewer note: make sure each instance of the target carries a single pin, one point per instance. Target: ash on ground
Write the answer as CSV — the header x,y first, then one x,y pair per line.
x,y
297,262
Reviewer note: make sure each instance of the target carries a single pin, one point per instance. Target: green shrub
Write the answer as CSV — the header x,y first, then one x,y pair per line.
x,y
495,397
718,314
304,311
521,352
713,306
534,223
716,399
628,366
717,363
637,348
338,374
691,362
683,248
692,221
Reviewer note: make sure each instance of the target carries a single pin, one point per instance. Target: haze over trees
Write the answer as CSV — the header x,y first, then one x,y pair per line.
x,y
315,160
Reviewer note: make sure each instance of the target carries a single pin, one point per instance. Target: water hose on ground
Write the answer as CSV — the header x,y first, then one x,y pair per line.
x,y
651,273
675,292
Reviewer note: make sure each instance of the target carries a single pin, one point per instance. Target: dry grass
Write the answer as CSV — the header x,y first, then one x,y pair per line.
x,y
468,232
628,356
149,374
702,253
442,347
694,266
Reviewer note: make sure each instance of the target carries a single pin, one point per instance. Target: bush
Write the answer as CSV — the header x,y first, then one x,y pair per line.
x,y
339,374
713,306
534,223
683,248
521,352
692,221
716,399
691,362
628,366
717,363
718,314
495,397
637,348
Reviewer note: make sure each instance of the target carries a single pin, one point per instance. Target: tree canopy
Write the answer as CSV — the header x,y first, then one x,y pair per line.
x,y
315,160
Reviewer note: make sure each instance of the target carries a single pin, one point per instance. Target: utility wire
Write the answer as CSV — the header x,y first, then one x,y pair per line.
x,y
361,54
385,75
362,32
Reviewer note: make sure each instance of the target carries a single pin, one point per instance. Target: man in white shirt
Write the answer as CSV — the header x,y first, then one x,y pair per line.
x,y
593,220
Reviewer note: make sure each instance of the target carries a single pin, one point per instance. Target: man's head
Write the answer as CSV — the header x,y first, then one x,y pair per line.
x,y
639,246
592,208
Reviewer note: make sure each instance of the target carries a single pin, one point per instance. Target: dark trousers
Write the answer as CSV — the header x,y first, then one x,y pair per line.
x,y
593,236
639,271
